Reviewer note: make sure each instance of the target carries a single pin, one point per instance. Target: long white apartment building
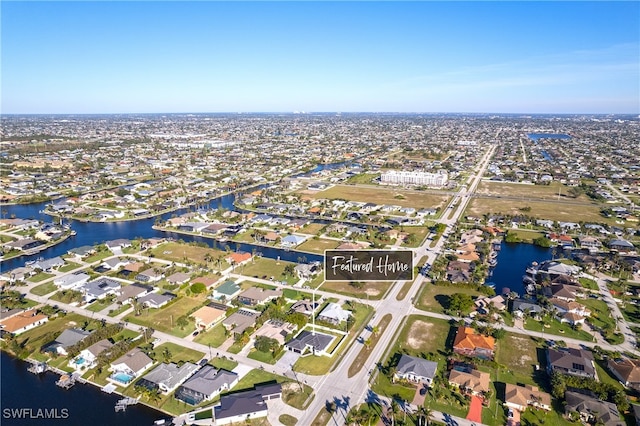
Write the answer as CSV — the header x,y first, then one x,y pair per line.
x,y
401,177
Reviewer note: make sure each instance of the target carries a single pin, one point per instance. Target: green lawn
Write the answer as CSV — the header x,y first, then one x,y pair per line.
x,y
99,305
600,314
312,228
45,333
318,245
70,266
558,329
588,283
119,310
434,298
98,256
43,289
40,277
164,319
263,267
178,353
518,354
214,337
370,290
223,363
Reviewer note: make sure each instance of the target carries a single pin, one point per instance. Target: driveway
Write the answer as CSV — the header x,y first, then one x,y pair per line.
x,y
287,360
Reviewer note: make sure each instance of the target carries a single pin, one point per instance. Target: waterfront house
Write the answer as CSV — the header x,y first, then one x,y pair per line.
x,y
415,369
167,377
119,243
237,258
24,244
258,296
626,370
23,321
48,265
520,397
334,314
471,382
246,405
65,340
129,366
292,240
571,361
622,246
82,252
207,316
88,357
592,410
114,264
205,385
71,281
471,344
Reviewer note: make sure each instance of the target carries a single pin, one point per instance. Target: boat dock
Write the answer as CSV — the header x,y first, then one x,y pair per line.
x,y
37,367
122,404
65,381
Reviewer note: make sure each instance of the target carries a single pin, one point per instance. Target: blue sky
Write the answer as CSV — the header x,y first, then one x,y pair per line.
x,y
511,57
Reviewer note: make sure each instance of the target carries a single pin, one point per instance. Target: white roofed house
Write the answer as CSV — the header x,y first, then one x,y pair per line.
x,y
129,366
334,314
205,385
167,377
88,357
150,275
71,281
48,264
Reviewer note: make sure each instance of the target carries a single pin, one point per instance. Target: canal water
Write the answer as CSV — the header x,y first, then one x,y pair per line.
x,y
79,405
513,260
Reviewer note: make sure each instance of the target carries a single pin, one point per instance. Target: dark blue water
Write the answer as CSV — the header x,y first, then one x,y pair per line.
x,y
84,404
535,136
513,260
546,156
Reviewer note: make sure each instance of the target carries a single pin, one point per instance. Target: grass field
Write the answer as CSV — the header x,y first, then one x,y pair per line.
x,y
214,337
383,195
45,333
519,355
43,289
371,290
545,192
99,305
178,353
69,266
40,277
164,319
552,210
312,228
558,329
364,353
176,252
318,246
525,235
434,297
263,267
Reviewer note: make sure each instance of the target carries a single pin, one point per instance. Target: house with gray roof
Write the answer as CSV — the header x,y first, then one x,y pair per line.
x,y
592,410
82,251
156,300
48,264
100,288
242,406
129,366
571,361
132,291
65,340
206,384
416,369
167,377
240,320
316,342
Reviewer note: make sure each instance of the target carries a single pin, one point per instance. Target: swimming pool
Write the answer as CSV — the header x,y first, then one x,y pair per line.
x,y
122,377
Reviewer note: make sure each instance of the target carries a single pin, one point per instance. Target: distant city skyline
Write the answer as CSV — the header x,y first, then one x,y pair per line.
x,y
429,57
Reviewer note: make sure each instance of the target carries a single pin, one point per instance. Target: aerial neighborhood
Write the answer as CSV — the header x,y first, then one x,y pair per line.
x,y
181,265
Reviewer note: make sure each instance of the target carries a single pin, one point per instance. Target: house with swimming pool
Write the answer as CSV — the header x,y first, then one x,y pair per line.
x,y
87,358
129,366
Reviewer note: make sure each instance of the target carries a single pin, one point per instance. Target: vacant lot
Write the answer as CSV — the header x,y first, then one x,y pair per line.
x,y
434,298
383,195
266,268
544,192
552,210
318,246
372,290
165,319
519,354
177,252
